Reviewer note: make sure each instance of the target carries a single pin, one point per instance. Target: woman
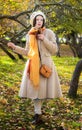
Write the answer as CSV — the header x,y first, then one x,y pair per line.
x,y
40,46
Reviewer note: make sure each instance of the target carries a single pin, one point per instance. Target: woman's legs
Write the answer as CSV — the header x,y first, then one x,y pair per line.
x,y
37,106
37,110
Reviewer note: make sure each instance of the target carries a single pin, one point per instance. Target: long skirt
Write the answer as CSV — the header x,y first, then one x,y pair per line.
x,y
48,87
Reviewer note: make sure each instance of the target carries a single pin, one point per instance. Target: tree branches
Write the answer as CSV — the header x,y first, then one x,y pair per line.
x,y
62,17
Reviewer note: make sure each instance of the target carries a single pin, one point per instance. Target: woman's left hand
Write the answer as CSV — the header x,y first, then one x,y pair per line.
x,y
40,36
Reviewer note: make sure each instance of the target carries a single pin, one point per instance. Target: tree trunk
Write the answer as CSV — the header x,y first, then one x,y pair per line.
x,y
58,43
75,80
75,46
21,57
8,53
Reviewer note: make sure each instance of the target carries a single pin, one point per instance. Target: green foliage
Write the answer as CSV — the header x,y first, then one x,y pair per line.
x,y
7,73
12,6
65,67
63,16
67,16
16,113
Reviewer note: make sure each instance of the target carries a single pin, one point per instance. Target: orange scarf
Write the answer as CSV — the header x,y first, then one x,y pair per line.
x,y
34,56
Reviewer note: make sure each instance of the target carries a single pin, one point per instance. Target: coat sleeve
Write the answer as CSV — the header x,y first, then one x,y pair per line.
x,y
50,42
23,51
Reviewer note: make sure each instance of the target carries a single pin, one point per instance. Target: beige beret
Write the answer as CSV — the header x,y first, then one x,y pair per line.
x,y
34,14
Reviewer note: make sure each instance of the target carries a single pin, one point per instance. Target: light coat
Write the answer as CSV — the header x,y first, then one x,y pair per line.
x,y
48,87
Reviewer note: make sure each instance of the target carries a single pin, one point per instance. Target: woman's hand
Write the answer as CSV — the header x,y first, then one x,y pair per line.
x,y
11,45
40,36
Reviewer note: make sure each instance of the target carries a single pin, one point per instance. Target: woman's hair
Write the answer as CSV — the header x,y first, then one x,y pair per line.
x,y
34,21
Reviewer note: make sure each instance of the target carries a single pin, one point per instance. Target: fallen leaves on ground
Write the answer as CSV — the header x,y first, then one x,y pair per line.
x,y
17,113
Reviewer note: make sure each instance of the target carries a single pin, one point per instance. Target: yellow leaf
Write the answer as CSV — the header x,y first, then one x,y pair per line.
x,y
68,110
3,101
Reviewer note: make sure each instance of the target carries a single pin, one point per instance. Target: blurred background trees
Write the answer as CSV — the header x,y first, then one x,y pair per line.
x,y
63,17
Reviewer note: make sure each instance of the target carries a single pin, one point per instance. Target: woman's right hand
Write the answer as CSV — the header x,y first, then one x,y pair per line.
x,y
11,45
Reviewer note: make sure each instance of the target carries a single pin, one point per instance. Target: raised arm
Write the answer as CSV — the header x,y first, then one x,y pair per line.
x,y
20,50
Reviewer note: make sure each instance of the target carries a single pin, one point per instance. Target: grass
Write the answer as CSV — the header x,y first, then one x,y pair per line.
x,y
16,113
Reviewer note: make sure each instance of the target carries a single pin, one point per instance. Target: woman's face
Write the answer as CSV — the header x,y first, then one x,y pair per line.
x,y
39,22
